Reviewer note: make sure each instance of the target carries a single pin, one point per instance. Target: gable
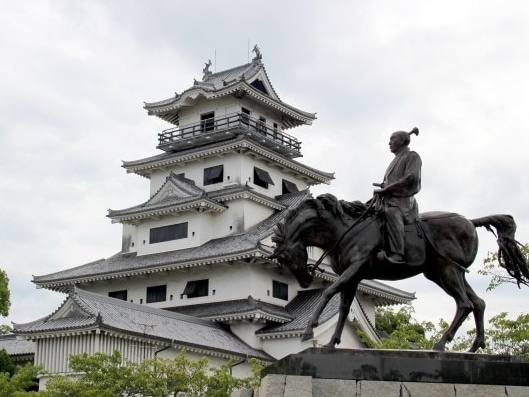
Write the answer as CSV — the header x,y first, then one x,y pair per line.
x,y
174,188
70,309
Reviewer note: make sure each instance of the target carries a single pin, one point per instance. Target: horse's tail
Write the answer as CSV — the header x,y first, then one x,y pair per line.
x,y
510,257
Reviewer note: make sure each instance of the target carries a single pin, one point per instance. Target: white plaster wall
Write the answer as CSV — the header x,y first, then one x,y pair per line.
x,y
281,347
221,107
129,238
246,330
232,281
143,230
53,353
276,173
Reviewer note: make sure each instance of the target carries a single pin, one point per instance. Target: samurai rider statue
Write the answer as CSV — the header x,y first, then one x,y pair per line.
x,y
395,196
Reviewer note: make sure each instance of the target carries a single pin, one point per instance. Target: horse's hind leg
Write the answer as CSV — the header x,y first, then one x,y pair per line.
x,y
479,318
451,279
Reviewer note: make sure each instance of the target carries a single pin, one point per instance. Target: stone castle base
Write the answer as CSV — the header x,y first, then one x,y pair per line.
x,y
394,373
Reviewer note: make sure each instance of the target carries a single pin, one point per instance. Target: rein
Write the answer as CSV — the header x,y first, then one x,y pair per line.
x,y
312,268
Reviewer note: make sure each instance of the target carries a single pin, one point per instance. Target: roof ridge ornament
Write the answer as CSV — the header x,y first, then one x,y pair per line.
x,y
258,55
206,70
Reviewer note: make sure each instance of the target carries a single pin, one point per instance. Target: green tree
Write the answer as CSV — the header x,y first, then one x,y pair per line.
x,y
6,364
5,302
503,336
108,375
22,380
492,268
401,331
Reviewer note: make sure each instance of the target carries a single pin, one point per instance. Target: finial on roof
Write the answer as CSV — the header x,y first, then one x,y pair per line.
x,y
258,56
206,70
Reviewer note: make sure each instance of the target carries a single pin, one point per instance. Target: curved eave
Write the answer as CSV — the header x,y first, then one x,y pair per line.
x,y
167,109
66,284
176,344
146,168
254,316
59,332
135,216
154,340
254,197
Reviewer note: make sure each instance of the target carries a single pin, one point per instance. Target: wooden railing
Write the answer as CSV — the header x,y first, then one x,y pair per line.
x,y
235,121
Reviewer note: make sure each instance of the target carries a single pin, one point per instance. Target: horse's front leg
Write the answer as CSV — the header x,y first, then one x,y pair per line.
x,y
347,296
338,286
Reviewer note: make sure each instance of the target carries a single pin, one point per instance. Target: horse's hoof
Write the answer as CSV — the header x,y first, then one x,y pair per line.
x,y
476,345
332,344
306,336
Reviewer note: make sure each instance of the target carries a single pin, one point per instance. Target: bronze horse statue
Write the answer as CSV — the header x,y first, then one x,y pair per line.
x,y
351,235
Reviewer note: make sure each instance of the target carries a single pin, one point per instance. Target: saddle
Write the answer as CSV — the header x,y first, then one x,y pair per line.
x,y
416,237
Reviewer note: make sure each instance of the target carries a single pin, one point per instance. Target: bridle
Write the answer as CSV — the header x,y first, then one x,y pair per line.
x,y
312,268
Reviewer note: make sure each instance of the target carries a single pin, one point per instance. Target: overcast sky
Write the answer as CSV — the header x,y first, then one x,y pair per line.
x,y
74,76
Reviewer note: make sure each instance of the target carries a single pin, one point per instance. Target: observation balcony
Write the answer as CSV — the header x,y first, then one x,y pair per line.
x,y
221,128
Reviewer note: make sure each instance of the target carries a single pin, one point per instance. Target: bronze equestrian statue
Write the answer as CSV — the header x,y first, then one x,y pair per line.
x,y
441,246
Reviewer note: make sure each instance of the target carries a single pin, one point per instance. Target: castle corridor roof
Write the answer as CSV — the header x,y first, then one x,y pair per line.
x,y
96,311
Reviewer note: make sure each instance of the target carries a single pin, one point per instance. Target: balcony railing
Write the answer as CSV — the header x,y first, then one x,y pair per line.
x,y
215,129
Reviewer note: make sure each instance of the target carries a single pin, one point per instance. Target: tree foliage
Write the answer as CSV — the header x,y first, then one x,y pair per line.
x,y
108,375
18,384
6,364
503,336
400,330
5,302
498,276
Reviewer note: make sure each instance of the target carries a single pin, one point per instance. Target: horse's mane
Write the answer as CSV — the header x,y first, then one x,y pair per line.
x,y
339,208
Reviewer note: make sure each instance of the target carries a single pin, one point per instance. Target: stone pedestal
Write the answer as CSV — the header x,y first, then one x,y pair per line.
x,y
408,373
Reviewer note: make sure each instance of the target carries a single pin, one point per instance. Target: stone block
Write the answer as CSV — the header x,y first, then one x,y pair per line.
x,y
417,389
466,390
298,386
272,386
242,393
369,388
333,387
516,391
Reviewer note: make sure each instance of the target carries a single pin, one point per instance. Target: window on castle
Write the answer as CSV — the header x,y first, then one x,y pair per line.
x,y
168,233
280,290
245,116
262,178
213,175
262,125
289,187
207,121
118,294
196,288
157,293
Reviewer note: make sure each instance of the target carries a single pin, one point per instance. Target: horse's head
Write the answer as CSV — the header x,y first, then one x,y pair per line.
x,y
293,235
292,254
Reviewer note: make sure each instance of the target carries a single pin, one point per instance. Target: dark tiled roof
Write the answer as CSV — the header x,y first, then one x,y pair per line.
x,y
242,245
236,308
301,308
169,158
108,313
227,82
16,347
176,203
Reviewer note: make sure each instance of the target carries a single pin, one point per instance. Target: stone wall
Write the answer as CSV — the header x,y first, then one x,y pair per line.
x,y
306,386
393,373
